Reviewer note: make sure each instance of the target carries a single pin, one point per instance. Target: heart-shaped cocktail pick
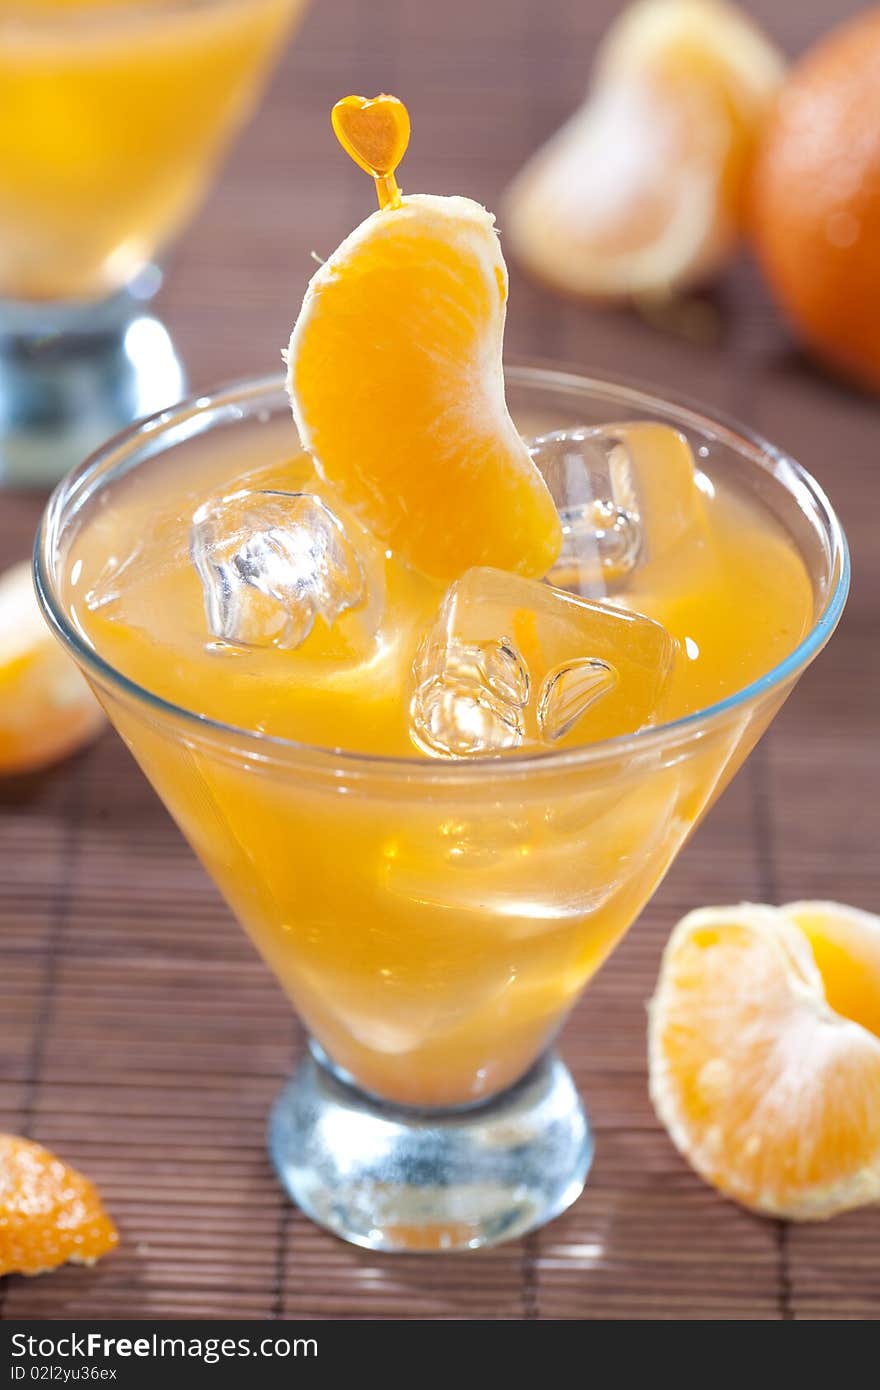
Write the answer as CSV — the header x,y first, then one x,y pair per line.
x,y
374,131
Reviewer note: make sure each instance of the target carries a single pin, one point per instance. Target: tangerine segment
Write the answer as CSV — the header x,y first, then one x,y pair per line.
x,y
846,946
46,709
771,1095
643,190
49,1213
397,389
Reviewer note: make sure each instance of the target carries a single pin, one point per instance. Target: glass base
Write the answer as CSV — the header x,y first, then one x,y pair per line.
x,y
391,1178
73,374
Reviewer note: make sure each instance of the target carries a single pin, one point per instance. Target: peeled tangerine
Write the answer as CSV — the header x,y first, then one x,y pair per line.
x,y
643,191
46,709
396,384
49,1213
764,1054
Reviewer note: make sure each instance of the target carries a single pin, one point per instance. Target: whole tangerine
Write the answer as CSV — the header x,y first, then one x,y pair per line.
x,y
816,199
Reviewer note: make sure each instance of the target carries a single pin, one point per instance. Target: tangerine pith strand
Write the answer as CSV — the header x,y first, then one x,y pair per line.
x,y
433,944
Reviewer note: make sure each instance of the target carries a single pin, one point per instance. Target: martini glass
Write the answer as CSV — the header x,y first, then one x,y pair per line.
x,y
114,117
434,922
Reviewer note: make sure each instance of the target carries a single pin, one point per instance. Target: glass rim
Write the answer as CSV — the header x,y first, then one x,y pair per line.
x,y
273,748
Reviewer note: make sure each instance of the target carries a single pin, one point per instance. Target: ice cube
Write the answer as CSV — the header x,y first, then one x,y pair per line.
x,y
469,696
570,690
126,551
110,584
514,663
273,563
626,495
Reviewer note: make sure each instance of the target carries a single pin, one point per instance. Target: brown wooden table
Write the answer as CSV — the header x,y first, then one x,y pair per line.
x,y
140,1035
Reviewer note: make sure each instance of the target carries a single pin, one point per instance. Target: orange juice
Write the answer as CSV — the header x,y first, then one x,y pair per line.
x,y
113,118
431,925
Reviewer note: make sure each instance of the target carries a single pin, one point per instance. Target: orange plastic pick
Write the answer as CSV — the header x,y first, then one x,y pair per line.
x,y
374,131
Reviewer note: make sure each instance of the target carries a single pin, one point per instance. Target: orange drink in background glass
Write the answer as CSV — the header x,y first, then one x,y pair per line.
x,y
114,117
432,920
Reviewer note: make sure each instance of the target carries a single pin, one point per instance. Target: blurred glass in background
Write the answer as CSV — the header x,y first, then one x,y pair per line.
x,y
113,118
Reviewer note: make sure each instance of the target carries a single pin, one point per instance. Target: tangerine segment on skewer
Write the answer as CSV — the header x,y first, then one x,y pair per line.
x,y
396,382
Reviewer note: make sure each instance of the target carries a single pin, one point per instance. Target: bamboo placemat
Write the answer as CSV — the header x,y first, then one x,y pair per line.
x,y
140,1036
